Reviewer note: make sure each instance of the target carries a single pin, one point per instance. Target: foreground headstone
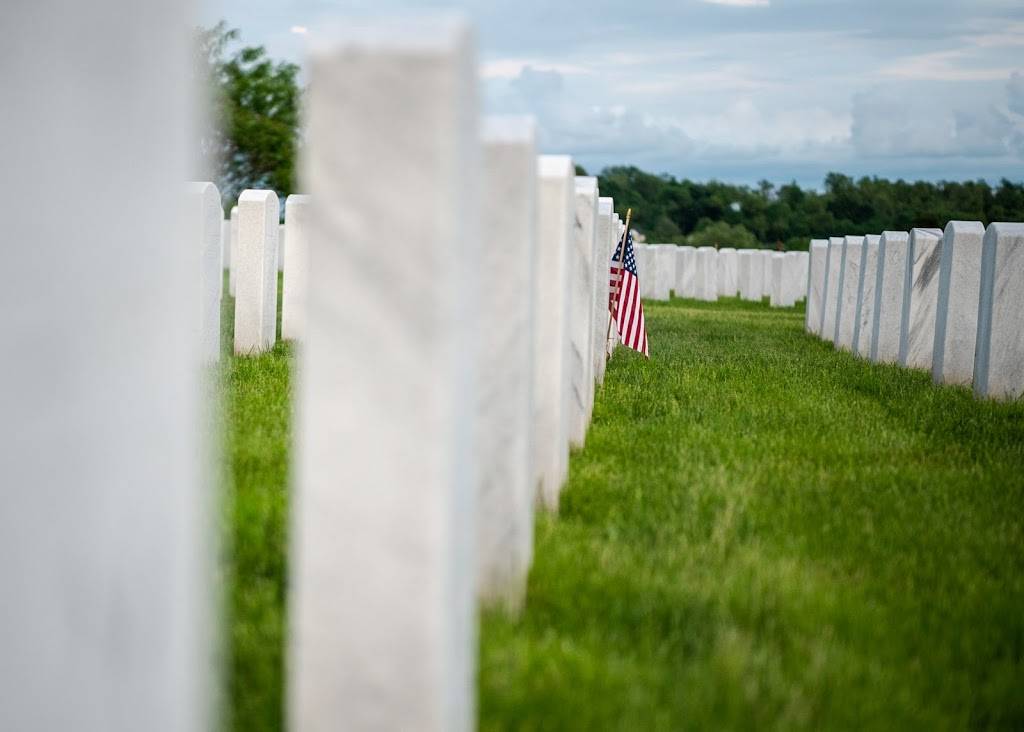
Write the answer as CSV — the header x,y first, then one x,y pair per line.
x,y
295,282
956,311
203,230
105,528
581,309
382,570
833,288
686,272
887,313
999,354
232,273
606,242
556,214
707,274
727,278
816,285
666,270
866,297
256,264
853,249
505,496
920,295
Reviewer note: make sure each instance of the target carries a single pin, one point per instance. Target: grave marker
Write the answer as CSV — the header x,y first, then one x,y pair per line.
x,y
999,355
256,264
920,294
203,229
727,276
866,297
707,274
853,249
956,311
777,297
232,274
816,285
833,288
606,242
581,309
295,282
887,312
686,272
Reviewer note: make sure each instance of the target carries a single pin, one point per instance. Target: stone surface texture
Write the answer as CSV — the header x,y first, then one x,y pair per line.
x,y
606,243
382,581
833,287
234,250
686,272
665,270
777,296
256,279
853,250
581,309
295,282
707,274
815,285
920,295
728,284
203,220
887,313
866,297
999,354
956,310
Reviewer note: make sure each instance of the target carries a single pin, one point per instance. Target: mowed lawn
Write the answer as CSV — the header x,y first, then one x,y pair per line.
x,y
760,532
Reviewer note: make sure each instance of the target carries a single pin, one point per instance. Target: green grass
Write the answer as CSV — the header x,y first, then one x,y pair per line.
x,y
760,532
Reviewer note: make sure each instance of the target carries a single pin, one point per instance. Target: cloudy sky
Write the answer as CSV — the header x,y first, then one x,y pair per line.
x,y
737,90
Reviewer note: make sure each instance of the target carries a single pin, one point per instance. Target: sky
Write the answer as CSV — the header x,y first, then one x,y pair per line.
x,y
733,90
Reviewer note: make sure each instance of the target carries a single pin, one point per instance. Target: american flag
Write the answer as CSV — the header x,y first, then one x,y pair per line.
x,y
629,313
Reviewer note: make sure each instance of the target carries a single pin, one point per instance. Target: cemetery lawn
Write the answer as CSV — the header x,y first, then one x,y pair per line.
x,y
762,532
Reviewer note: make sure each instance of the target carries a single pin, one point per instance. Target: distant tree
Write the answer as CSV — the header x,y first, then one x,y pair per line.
x,y
580,170
256,100
721,234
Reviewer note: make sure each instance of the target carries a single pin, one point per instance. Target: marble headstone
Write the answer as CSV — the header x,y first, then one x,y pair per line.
x,y
815,285
853,250
295,282
707,274
233,258
920,294
956,311
833,288
999,354
777,296
505,495
581,309
727,278
887,312
225,240
686,272
766,272
203,220
606,241
256,281
866,297
665,270
382,581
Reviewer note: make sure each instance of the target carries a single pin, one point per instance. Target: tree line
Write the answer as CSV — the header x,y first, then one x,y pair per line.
x,y
254,138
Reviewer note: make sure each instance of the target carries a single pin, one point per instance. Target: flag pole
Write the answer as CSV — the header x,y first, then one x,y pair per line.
x,y
614,315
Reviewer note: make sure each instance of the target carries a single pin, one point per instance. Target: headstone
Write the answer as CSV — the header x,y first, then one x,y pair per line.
x,y
556,213
766,272
707,274
225,238
866,297
816,285
804,259
108,558
295,282
727,282
750,264
232,274
956,312
887,311
920,295
664,270
581,309
203,229
833,288
613,334
686,272
256,281
280,246
606,240
382,580
647,268
999,354
777,295
853,251
505,497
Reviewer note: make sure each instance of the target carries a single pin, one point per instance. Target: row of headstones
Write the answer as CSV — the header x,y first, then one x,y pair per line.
x,y
951,302
452,322
707,273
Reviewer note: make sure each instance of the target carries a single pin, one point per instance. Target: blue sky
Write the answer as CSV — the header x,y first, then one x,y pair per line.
x,y
737,90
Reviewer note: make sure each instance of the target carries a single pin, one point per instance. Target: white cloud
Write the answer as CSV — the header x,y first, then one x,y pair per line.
x,y
740,3
510,68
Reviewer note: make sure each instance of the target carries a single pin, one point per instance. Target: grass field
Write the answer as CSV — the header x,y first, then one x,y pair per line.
x,y
760,532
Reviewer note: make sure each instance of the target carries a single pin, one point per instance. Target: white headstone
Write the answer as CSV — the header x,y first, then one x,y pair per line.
x,y
505,497
232,274
606,240
956,312
295,282
707,274
887,312
849,287
795,275
817,271
833,288
920,295
727,282
556,211
581,309
647,269
999,354
766,272
665,271
225,239
866,297
686,272
778,280
256,279
203,219
804,259
105,527
750,266
382,580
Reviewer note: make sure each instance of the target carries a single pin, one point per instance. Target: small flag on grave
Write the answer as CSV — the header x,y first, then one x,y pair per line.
x,y
624,296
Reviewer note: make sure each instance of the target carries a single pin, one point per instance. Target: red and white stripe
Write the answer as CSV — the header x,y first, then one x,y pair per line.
x,y
629,320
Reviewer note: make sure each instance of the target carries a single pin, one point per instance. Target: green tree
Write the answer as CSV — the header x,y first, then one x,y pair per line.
x,y
254,140
721,234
